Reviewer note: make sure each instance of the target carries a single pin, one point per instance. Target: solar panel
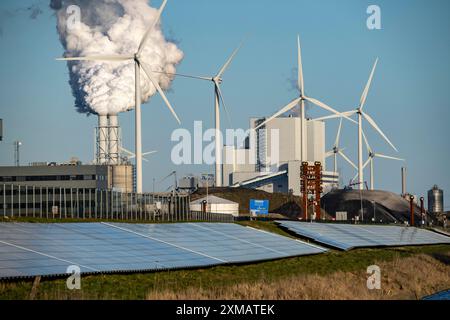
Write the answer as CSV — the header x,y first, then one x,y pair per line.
x,y
230,243
346,237
28,250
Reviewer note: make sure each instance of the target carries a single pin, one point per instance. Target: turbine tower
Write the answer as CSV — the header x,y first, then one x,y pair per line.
x,y
301,100
361,114
218,97
372,156
138,63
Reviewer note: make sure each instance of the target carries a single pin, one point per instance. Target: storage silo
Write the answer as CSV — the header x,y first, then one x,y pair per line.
x,y
435,200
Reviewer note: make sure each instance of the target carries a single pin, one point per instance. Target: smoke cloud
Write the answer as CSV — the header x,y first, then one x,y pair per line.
x,y
292,81
112,27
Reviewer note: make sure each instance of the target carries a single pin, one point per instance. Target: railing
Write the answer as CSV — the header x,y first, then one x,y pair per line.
x,y
210,216
23,201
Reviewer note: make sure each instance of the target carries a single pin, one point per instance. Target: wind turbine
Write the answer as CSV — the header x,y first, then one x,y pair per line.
x,y
138,63
339,151
301,101
372,156
361,114
131,155
218,97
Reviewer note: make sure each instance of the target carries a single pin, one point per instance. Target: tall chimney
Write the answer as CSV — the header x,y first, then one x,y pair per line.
x,y
114,141
102,139
403,181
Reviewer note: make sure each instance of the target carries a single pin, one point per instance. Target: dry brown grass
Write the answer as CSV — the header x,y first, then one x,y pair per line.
x,y
403,278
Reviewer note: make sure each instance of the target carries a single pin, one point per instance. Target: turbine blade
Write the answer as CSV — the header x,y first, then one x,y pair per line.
x,y
347,159
184,75
149,30
338,136
227,64
326,107
288,107
161,92
127,151
366,89
98,58
375,126
301,84
329,154
366,141
334,116
366,163
223,104
378,155
148,153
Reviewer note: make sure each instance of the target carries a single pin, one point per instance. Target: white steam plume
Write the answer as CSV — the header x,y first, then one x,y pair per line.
x,y
113,27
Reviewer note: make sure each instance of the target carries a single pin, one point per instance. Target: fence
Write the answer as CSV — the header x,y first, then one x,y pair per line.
x,y
84,203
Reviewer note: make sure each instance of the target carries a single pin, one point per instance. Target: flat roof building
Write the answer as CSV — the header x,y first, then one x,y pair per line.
x,y
101,177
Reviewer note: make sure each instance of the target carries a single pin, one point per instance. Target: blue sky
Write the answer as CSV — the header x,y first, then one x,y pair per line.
x,y
408,99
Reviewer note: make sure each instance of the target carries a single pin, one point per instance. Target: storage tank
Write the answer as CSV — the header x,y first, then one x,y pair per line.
x,y
435,200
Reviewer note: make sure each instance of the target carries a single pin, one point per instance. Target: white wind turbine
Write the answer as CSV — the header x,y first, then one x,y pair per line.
x,y
131,155
372,156
361,114
139,63
301,101
218,96
339,151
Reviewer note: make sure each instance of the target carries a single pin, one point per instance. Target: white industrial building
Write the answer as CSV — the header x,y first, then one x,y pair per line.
x,y
270,160
215,204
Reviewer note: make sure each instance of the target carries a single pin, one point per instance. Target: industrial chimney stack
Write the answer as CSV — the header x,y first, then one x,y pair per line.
x,y
108,140
403,181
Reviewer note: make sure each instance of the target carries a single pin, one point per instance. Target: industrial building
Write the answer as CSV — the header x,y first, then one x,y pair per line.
x,y
214,204
71,175
270,159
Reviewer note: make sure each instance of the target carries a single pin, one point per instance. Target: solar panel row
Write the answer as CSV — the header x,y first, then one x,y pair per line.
x,y
346,237
28,250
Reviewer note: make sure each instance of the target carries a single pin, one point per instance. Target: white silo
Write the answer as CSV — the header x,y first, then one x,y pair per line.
x,y
435,200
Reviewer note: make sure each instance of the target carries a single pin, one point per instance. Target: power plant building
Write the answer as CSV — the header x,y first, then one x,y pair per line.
x,y
270,159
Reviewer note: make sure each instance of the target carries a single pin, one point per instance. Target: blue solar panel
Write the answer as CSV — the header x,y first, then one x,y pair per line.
x,y
48,249
346,237
230,243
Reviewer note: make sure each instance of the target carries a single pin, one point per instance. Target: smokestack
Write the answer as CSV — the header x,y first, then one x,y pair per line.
x,y
102,139
114,141
403,181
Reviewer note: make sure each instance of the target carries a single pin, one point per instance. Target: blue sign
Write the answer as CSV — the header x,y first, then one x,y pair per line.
x,y
259,206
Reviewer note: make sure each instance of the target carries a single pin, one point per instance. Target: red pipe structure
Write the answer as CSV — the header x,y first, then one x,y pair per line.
x,y
422,209
411,207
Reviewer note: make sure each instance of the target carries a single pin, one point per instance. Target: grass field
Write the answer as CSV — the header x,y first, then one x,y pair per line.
x,y
408,273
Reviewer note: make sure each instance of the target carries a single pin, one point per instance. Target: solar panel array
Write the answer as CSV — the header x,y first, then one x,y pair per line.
x,y
346,236
28,250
